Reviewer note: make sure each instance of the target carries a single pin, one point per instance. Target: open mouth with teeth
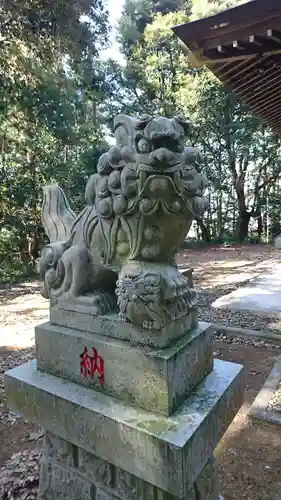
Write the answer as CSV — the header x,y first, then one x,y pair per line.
x,y
159,190
159,173
160,153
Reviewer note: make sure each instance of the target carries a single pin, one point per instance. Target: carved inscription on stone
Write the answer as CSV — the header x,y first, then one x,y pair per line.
x,y
92,364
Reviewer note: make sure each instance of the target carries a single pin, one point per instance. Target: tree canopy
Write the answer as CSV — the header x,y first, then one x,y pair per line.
x,y
58,98
237,146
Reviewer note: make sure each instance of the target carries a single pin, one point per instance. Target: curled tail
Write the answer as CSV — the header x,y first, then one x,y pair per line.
x,y
57,216
57,220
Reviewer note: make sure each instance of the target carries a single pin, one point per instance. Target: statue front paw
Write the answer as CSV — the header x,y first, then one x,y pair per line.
x,y
152,325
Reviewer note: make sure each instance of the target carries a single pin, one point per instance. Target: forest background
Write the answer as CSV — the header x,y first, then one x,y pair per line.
x,y
60,89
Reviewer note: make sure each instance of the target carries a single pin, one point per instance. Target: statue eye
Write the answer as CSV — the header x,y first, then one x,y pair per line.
x,y
143,146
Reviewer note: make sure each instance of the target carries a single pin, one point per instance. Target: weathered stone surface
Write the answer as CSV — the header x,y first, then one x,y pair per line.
x,y
75,316
102,494
156,380
58,449
61,217
123,383
260,408
108,481
169,452
58,482
187,273
130,487
95,468
206,485
189,363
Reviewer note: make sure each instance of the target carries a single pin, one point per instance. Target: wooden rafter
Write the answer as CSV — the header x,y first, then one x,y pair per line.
x,y
242,47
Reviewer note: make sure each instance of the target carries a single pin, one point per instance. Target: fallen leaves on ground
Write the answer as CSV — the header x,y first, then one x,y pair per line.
x,y
19,477
7,361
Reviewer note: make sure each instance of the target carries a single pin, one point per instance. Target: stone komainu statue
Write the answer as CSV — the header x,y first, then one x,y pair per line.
x,y
118,253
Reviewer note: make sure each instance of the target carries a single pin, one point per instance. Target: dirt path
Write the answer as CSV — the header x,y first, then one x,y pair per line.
x,y
217,270
249,454
220,270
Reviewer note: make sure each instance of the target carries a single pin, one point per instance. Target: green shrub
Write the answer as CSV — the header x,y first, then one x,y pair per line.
x,y
11,272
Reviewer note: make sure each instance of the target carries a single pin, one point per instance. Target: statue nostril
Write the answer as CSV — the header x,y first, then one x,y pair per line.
x,y
163,155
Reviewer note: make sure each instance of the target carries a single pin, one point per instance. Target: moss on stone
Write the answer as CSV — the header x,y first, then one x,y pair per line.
x,y
158,426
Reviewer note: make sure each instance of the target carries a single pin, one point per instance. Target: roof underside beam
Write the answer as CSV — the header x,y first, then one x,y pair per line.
x,y
242,47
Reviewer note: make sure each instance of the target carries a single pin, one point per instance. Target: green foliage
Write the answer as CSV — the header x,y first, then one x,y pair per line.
x,y
205,8
58,98
157,68
139,14
55,27
11,268
243,158
50,94
14,271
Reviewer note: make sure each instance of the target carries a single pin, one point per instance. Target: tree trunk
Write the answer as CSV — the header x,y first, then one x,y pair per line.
x,y
34,247
219,216
204,231
260,227
259,220
243,225
23,250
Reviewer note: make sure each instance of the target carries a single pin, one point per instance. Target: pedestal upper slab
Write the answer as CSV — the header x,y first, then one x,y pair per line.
x,y
75,316
156,380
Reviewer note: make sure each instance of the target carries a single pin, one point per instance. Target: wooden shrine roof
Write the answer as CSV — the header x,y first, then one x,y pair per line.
x,y
242,47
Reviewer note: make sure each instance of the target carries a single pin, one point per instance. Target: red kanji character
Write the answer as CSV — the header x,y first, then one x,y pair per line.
x,y
89,365
97,365
85,363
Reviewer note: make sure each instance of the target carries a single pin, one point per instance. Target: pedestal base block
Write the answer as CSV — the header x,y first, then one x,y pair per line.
x,y
168,452
72,473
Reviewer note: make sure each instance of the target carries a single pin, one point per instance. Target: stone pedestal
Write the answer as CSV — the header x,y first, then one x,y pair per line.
x,y
124,380
123,421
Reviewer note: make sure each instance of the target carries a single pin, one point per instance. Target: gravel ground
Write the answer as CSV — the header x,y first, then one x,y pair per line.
x,y
236,319
221,270
228,339
275,402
